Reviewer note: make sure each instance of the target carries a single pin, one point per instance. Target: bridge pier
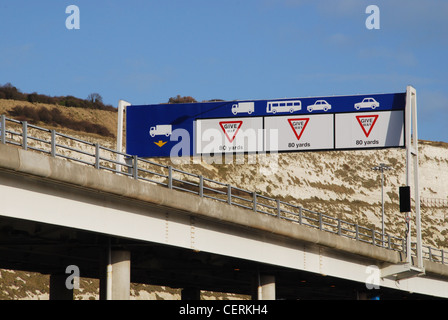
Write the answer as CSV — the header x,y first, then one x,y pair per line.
x,y
265,287
121,274
115,280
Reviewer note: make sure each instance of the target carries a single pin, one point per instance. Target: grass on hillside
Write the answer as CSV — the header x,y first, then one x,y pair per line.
x,y
102,123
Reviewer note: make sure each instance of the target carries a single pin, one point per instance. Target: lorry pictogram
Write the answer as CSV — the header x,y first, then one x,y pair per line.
x,y
243,107
160,130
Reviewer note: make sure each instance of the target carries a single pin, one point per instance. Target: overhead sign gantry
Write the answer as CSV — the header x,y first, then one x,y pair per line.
x,y
351,122
282,125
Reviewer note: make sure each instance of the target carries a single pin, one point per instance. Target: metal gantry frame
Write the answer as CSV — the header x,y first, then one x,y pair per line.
x,y
411,140
409,269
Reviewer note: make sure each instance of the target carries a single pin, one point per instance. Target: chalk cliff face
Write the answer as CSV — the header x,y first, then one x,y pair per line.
x,y
340,184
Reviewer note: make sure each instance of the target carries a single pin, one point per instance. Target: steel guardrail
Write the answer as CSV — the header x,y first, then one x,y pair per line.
x,y
102,158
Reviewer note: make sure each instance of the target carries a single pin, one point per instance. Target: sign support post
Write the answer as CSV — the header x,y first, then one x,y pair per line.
x,y
121,108
408,270
412,157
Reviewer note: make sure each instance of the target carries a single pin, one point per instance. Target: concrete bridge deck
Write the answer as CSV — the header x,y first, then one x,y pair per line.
x,y
70,213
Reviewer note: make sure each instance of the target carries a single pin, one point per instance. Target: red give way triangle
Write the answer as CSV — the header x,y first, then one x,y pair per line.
x,y
231,128
367,123
298,126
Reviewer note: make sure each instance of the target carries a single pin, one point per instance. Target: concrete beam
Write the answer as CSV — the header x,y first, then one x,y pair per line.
x,y
63,171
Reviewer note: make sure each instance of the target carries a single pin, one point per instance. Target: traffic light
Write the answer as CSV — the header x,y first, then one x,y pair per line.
x,y
405,199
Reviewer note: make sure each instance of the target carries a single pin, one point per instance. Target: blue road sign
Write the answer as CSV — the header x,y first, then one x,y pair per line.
x,y
154,130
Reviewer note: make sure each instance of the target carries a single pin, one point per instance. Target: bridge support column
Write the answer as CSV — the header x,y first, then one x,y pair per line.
x,y
121,274
115,276
191,294
58,289
265,287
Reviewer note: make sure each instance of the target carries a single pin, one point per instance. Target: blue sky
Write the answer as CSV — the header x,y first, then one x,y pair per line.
x,y
148,51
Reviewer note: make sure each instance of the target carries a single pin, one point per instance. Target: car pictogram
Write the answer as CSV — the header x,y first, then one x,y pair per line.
x,y
319,105
367,103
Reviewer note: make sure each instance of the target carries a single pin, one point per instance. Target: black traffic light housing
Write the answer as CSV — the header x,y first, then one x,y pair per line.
x,y
405,199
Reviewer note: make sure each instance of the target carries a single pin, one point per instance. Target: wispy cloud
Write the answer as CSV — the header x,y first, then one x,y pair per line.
x,y
389,81
15,55
400,57
325,6
432,102
339,39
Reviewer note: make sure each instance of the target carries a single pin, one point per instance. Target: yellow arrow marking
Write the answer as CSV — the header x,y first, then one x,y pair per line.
x,y
160,143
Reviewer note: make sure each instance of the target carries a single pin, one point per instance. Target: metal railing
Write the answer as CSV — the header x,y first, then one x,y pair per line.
x,y
20,133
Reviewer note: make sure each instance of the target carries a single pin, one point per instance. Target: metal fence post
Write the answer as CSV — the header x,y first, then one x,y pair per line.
x,y
229,194
24,135
53,143
300,215
135,168
3,129
339,227
255,201
320,221
170,177
373,236
97,156
201,186
278,208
